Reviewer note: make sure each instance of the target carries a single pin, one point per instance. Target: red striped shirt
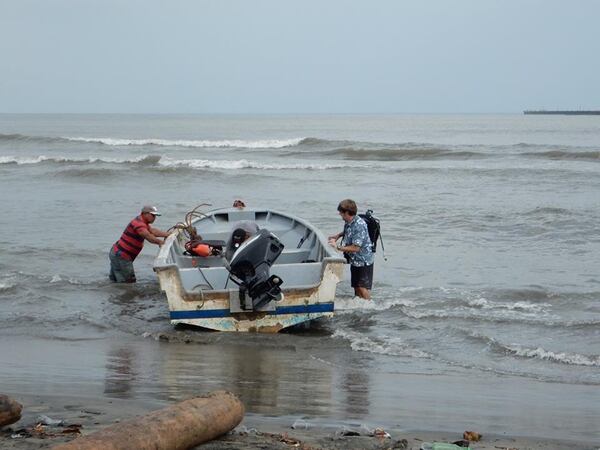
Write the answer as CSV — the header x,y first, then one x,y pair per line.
x,y
131,242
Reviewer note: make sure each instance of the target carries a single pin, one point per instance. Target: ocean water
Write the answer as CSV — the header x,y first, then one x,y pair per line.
x,y
487,301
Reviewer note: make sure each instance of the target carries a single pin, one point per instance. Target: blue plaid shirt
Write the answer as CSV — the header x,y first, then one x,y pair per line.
x,y
357,233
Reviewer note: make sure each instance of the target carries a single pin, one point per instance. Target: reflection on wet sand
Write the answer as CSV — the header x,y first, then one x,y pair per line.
x,y
356,387
120,372
268,380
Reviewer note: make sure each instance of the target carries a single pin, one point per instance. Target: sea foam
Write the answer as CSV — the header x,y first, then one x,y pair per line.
x,y
560,357
232,143
384,345
244,164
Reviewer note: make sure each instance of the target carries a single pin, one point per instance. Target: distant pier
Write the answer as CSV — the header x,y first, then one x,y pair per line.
x,y
565,112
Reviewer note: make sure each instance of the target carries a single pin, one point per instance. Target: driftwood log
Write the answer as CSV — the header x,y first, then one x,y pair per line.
x,y
180,426
10,410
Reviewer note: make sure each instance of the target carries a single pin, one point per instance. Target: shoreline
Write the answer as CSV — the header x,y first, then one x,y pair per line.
x,y
255,431
94,383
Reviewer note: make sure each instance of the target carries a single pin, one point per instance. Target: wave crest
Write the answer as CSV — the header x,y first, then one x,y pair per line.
x,y
384,346
227,143
516,306
575,359
196,143
22,160
245,164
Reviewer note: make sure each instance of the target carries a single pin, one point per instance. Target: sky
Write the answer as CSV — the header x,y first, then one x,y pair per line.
x,y
288,56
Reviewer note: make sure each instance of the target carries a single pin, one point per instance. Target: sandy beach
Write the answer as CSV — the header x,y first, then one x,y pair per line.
x,y
255,432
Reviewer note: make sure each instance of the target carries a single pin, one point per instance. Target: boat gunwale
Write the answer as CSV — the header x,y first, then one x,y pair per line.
x,y
160,262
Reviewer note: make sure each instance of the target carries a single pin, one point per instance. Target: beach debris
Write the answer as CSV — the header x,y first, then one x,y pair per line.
x,y
440,446
243,430
380,433
363,431
40,431
462,443
289,441
10,410
347,432
282,438
472,436
300,424
74,428
183,425
401,444
45,420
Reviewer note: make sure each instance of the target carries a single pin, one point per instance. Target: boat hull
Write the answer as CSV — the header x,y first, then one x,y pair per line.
x,y
200,293
212,310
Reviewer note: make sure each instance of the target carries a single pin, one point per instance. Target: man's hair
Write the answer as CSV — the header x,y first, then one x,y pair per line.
x,y
348,206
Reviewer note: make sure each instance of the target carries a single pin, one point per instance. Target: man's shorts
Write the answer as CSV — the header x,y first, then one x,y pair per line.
x,y
121,269
361,276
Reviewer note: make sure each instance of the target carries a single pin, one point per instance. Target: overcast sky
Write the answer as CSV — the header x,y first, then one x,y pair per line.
x,y
284,56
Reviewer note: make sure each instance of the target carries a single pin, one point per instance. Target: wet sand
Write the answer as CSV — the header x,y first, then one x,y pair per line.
x,y
255,432
281,382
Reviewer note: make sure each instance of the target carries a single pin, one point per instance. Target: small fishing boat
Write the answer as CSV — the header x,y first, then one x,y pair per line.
x,y
248,270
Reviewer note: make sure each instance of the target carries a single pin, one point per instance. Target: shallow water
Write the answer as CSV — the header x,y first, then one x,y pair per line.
x,y
488,303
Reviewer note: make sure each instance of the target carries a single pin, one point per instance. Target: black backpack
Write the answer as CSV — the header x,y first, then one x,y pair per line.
x,y
374,228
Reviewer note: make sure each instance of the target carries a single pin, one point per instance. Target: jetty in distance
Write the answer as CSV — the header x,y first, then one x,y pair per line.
x,y
564,112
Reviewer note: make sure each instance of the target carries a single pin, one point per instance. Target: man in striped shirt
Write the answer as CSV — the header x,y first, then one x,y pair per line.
x,y
125,250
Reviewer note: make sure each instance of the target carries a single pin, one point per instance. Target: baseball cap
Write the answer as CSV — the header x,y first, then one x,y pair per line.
x,y
151,209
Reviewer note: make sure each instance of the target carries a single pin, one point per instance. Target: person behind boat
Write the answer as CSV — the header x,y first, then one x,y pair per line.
x,y
357,248
239,204
242,231
125,250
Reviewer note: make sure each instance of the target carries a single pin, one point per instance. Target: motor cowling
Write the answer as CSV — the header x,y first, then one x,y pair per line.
x,y
250,267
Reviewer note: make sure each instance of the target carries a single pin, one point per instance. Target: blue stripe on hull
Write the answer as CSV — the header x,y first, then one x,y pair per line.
x,y
213,313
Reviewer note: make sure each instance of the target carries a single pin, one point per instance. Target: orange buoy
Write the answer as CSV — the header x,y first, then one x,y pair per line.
x,y
202,250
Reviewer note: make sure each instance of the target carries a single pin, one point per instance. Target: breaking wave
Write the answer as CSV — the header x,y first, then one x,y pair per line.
x,y
227,143
165,162
245,164
384,346
120,142
6,285
575,359
22,160
498,315
516,306
345,149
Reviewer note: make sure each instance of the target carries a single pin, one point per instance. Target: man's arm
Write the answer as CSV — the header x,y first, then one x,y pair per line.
x,y
335,237
150,237
348,248
157,232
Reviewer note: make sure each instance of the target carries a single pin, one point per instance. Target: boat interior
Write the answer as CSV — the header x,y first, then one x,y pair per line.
x,y
300,265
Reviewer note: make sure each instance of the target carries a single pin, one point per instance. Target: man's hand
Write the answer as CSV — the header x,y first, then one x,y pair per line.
x,y
333,242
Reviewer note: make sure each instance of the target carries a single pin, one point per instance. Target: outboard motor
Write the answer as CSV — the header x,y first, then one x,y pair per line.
x,y
249,269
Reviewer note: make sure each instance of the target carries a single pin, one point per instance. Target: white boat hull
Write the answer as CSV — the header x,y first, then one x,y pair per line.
x,y
211,309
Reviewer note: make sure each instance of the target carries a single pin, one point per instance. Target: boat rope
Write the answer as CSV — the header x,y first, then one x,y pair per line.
x,y
201,295
186,226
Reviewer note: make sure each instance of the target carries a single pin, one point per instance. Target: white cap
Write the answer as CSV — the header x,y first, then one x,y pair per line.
x,y
151,209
